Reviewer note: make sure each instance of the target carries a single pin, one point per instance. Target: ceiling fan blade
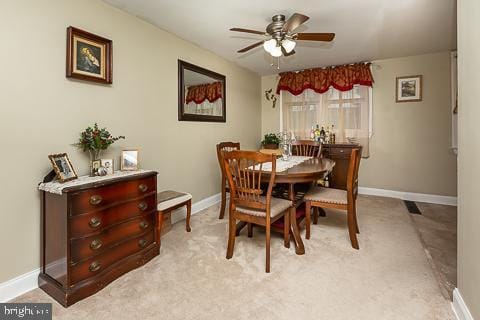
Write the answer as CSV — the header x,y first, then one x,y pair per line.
x,y
285,53
247,31
294,22
256,44
314,36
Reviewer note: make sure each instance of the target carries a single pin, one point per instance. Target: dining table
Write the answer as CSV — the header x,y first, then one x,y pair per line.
x,y
309,170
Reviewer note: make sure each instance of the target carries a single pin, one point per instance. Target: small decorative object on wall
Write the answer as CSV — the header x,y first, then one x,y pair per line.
x,y
409,89
63,167
95,140
201,94
271,97
108,165
89,57
271,141
129,161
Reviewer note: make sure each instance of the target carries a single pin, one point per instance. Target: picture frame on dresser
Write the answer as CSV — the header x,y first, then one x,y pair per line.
x,y
63,167
129,160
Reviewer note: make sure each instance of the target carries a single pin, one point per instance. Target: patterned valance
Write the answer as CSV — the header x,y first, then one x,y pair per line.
x,y
210,91
342,78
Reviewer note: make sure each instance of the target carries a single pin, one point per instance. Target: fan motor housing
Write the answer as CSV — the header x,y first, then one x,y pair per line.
x,y
275,27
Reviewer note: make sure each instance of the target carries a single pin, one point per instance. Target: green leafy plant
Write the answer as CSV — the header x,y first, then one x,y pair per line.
x,y
93,139
270,138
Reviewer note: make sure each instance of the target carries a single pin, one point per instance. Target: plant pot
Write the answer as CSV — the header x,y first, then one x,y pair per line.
x,y
270,146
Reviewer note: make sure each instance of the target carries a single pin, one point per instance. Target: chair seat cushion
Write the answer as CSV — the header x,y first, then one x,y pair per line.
x,y
328,195
169,199
277,206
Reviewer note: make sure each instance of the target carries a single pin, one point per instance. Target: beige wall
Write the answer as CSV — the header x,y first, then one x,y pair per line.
x,y
42,112
410,148
468,155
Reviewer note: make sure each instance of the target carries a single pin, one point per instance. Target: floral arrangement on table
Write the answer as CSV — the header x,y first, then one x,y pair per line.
x,y
95,140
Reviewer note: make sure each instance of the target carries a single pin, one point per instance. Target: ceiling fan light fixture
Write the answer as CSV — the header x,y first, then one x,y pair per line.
x,y
270,45
288,45
276,52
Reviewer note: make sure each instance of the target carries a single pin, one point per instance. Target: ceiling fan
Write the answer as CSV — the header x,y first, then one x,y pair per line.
x,y
282,36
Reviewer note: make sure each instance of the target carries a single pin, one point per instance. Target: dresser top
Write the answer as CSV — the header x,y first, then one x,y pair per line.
x,y
85,182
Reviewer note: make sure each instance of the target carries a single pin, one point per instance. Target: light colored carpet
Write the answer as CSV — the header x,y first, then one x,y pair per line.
x,y
388,278
437,226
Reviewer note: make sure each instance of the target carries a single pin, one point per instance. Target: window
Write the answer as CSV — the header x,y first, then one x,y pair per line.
x,y
349,112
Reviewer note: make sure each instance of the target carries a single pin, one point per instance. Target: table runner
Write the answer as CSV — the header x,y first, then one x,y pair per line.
x,y
57,187
283,165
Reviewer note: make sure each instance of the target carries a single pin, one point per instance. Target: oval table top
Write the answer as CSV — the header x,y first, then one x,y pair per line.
x,y
307,171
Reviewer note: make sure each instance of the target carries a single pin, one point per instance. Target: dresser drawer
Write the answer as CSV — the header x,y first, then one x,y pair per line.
x,y
97,221
87,247
96,265
101,197
340,151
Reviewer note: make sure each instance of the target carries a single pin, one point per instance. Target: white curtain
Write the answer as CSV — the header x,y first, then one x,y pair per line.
x,y
348,112
206,107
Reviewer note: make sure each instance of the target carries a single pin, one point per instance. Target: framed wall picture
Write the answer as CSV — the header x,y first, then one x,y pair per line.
x,y
129,160
89,57
63,167
409,89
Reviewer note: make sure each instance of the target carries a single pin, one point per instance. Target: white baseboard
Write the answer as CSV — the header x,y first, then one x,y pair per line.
x,y
17,286
198,206
26,282
420,197
459,307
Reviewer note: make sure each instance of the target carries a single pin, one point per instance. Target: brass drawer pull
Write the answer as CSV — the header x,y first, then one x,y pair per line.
x,y
143,206
96,244
94,266
95,200
142,243
144,224
143,187
95,222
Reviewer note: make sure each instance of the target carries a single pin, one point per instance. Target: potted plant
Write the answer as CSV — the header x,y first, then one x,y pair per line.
x,y
95,141
270,141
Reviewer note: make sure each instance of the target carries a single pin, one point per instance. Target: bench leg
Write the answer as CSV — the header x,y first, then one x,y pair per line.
x,y
189,212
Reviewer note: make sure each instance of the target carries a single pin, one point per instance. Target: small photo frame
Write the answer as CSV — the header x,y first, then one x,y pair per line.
x,y
89,57
96,164
108,165
409,89
63,167
129,160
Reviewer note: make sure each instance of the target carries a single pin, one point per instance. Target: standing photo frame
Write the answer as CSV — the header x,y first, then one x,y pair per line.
x,y
129,160
89,57
63,167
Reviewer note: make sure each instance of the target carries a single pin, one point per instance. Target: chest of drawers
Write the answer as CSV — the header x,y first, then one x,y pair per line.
x,y
95,232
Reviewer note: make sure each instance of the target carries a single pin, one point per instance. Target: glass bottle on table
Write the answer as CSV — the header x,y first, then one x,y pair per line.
x,y
317,134
322,136
312,133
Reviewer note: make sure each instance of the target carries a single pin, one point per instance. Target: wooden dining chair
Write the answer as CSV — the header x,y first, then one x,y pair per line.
x,y
306,148
338,199
247,204
224,147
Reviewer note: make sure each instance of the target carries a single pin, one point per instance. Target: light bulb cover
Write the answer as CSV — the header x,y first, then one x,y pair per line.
x,y
270,45
288,45
276,52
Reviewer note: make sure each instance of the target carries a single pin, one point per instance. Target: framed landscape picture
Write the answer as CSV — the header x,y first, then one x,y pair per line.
x,y
89,57
409,89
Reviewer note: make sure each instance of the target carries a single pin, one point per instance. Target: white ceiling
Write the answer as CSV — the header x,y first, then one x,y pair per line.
x,y
365,29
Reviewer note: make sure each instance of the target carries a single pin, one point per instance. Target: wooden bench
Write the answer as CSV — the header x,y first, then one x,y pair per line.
x,y
167,201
